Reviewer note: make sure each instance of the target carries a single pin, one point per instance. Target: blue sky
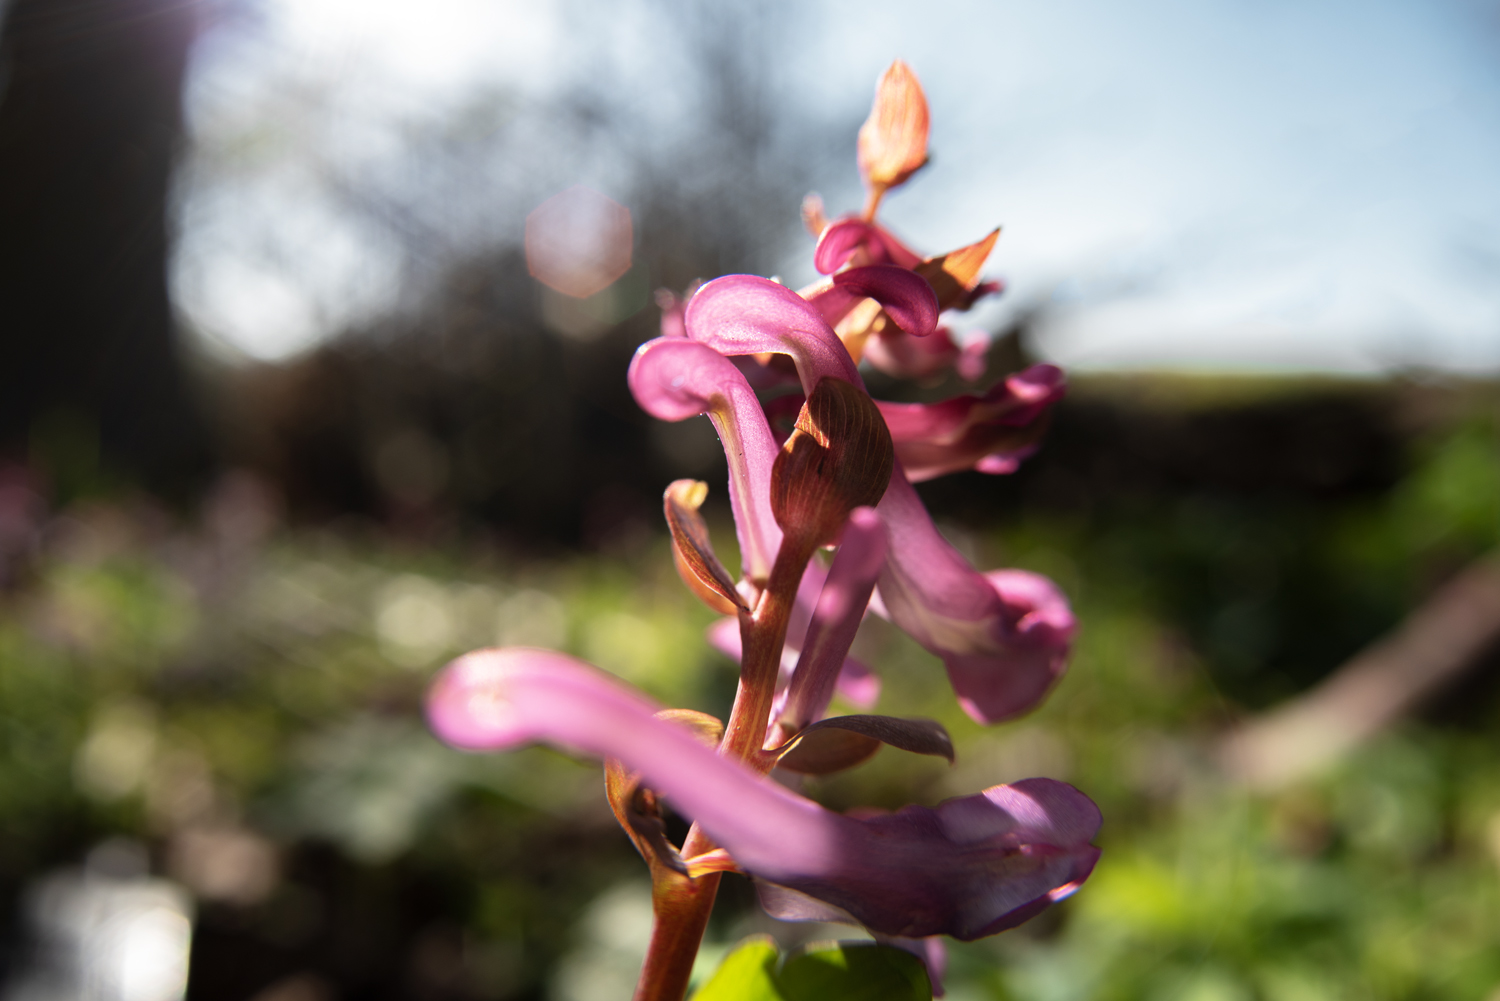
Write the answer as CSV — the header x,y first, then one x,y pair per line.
x,y
1209,185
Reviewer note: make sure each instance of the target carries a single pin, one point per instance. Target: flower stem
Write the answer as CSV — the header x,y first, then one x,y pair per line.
x,y
681,906
681,909
762,636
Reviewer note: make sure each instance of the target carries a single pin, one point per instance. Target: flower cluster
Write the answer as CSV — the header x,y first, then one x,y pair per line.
x,y
814,464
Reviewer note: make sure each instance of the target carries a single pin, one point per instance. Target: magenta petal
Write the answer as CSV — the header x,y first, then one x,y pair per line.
x,y
671,313
973,359
905,295
1003,638
895,252
968,868
991,432
853,240
839,242
673,379
744,315
785,904
899,354
1016,401
494,699
971,867
840,608
858,684
832,301
724,636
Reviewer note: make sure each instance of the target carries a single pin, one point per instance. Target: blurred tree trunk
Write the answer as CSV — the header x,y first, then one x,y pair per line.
x,y
90,121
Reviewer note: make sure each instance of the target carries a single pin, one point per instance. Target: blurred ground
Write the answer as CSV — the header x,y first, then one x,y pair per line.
x,y
241,696
224,585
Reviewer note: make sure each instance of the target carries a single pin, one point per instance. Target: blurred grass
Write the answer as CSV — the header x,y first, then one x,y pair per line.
x,y
170,682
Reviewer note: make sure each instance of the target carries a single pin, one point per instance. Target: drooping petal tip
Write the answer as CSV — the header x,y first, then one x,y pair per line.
x,y
1004,638
674,379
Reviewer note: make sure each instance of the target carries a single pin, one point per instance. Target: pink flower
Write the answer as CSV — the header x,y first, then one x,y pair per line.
x,y
968,868
893,146
1004,643
835,473
852,243
1003,636
991,432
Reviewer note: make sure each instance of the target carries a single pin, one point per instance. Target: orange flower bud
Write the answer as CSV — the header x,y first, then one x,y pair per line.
x,y
893,140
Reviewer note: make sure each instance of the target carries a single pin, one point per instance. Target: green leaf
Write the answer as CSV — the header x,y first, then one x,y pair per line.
x,y
823,971
853,971
746,974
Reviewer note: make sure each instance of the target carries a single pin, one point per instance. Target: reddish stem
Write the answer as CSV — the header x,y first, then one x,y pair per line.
x,y
762,636
681,912
681,907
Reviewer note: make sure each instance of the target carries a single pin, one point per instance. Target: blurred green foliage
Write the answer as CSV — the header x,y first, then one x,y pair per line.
x,y
859,971
247,702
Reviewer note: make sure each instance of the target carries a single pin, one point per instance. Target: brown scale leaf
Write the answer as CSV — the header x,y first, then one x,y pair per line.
x,y
841,742
839,457
638,808
693,551
957,272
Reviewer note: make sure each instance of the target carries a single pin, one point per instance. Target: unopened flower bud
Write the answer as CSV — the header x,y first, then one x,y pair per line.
x,y
838,458
893,140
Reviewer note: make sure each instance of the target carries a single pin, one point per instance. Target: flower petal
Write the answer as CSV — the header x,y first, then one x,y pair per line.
x,y
839,610
1018,400
673,379
897,353
1004,638
851,239
1004,855
857,684
839,242
968,868
904,295
671,312
992,431
746,315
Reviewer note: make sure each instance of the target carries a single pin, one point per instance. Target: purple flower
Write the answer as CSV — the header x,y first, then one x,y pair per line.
x,y
824,469
969,867
674,378
1004,637
991,432
845,594
854,241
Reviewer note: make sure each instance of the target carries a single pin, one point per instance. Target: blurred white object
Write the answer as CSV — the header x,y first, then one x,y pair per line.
x,y
106,932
